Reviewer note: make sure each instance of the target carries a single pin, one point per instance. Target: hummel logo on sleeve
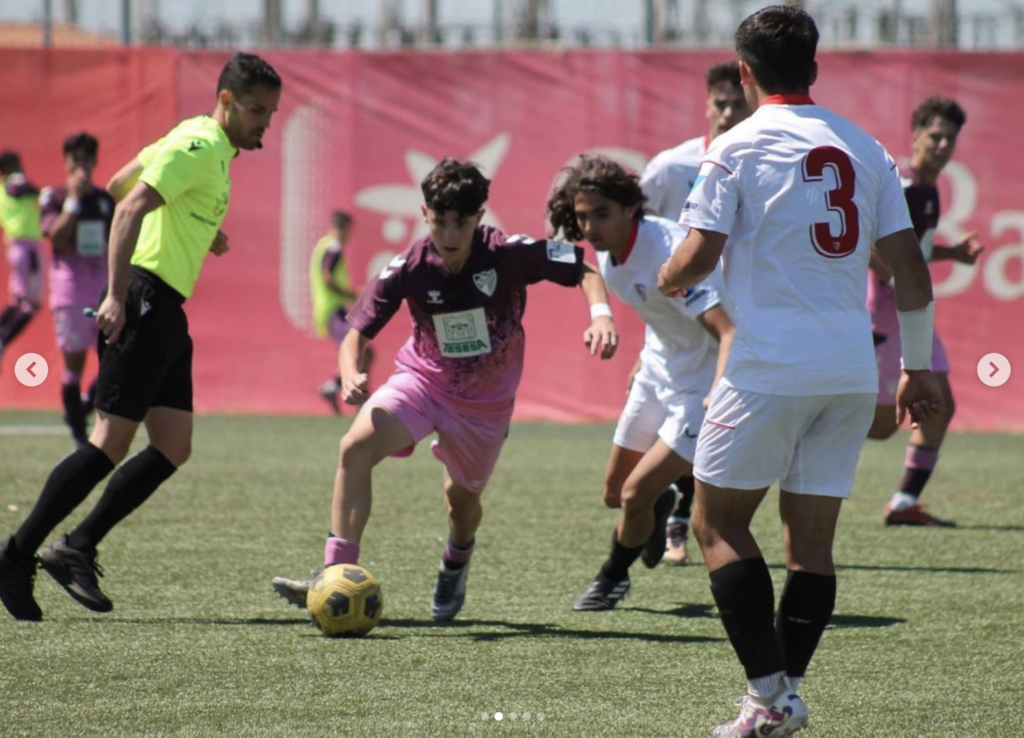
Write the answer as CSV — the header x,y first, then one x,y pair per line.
x,y
397,263
195,146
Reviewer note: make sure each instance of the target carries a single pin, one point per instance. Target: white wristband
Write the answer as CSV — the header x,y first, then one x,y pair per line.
x,y
600,310
917,331
72,206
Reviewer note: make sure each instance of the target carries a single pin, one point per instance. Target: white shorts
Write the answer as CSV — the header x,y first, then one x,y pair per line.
x,y
652,413
809,445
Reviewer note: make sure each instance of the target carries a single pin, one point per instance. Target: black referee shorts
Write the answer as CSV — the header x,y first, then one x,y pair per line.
x,y
151,363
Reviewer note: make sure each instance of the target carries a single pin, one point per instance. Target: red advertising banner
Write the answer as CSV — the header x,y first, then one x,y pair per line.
x,y
359,132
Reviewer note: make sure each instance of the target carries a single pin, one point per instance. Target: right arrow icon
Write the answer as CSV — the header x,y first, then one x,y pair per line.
x,y
994,370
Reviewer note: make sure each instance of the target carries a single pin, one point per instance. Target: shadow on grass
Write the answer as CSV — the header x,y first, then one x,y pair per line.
x,y
193,621
863,621
519,630
686,610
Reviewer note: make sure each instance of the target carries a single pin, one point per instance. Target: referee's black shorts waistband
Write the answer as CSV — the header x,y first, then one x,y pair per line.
x,y
164,290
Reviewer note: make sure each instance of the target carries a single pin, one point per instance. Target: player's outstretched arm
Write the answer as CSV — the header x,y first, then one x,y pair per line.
x,y
124,180
918,393
965,251
692,261
355,383
601,335
124,233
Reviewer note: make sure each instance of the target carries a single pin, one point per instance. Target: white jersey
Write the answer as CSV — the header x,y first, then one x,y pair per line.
x,y
803,195
669,177
678,352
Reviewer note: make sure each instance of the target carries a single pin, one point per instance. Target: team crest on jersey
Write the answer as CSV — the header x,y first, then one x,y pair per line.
x,y
486,282
434,297
641,292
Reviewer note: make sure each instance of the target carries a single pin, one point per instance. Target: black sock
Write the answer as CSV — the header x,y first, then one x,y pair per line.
x,y
804,611
132,485
685,503
69,483
616,568
15,324
8,314
74,412
746,603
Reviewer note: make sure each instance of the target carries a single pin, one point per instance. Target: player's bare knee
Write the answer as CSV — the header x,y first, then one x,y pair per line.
x,y
355,451
612,495
178,453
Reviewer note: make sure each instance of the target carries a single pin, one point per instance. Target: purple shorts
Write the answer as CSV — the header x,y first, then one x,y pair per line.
x,y
26,278
337,326
75,332
469,440
887,354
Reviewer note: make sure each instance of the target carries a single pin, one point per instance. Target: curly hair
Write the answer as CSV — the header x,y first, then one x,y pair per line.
x,y
455,185
937,106
597,174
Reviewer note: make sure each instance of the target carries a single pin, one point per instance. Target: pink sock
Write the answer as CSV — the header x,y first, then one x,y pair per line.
x,y
70,377
457,555
340,551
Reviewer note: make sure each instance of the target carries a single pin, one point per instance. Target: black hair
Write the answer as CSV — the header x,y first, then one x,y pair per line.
x,y
81,142
455,185
597,174
937,106
723,72
245,72
778,43
340,219
10,162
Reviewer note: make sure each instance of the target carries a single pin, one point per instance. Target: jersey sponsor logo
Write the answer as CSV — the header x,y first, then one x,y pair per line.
x,y
434,297
397,263
486,282
462,334
561,252
195,146
220,206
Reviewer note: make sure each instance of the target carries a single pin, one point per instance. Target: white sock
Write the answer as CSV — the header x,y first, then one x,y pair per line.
x,y
902,500
762,689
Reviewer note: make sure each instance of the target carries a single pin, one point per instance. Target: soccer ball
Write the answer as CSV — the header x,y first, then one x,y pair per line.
x,y
345,600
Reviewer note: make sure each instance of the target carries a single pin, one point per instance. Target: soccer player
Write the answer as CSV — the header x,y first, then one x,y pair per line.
x,y
795,197
76,217
935,125
600,202
176,194
19,219
457,374
666,181
332,293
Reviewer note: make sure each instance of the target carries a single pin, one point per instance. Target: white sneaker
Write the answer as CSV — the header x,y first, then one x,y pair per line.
x,y
449,593
293,590
785,716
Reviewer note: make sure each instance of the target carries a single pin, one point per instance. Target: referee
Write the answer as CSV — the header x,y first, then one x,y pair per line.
x,y
172,199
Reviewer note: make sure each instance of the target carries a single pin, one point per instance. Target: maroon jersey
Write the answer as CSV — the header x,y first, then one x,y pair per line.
x,y
467,334
923,203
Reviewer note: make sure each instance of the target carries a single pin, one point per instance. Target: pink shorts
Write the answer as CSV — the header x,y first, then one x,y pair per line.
x,y
469,439
888,353
75,332
26,277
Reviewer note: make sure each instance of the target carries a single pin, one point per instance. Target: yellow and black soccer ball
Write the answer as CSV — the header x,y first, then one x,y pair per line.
x,y
345,601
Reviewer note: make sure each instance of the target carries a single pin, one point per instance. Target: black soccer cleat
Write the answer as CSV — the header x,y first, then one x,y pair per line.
x,y
602,594
654,549
77,572
16,580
